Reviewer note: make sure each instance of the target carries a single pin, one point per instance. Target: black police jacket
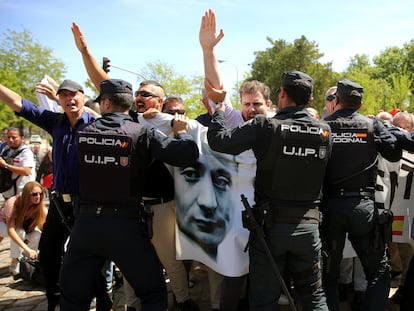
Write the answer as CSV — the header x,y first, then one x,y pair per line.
x,y
115,153
291,149
356,143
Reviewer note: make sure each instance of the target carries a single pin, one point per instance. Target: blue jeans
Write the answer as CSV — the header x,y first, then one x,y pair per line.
x,y
355,216
295,247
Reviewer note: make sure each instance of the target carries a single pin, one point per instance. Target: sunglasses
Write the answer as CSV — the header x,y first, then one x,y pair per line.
x,y
145,94
35,194
174,111
330,97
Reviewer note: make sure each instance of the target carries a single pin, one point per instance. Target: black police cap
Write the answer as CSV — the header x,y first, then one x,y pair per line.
x,y
297,78
349,89
113,86
69,85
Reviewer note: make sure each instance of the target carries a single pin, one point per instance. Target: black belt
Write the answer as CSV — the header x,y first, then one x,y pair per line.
x,y
117,210
351,194
276,213
65,197
156,201
296,215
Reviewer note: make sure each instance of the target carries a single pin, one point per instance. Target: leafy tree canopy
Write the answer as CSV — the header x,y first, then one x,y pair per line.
x,y
302,55
175,84
388,82
23,63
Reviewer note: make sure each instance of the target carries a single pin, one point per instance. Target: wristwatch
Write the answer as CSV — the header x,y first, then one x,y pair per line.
x,y
6,166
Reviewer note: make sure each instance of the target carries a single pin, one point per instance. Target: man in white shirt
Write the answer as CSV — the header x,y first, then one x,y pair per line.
x,y
22,165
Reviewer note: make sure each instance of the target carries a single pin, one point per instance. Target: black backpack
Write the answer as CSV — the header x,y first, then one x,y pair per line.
x,y
6,181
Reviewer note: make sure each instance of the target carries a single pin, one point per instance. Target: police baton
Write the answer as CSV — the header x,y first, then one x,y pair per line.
x,y
53,197
260,234
147,218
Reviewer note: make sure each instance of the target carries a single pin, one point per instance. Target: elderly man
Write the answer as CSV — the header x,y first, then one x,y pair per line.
x,y
62,128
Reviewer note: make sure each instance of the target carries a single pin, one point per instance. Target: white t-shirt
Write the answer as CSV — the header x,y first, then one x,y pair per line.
x,y
23,159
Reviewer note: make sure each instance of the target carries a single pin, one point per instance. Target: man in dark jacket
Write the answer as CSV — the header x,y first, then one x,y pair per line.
x,y
348,196
62,127
114,154
292,150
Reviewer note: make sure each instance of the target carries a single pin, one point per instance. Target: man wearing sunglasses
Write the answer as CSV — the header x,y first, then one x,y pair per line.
x,y
330,95
62,127
159,187
173,105
149,95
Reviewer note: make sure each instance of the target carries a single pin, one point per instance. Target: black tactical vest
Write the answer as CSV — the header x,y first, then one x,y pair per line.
x,y
293,168
353,155
112,167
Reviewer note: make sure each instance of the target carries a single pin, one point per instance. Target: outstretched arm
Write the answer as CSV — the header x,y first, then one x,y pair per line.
x,y
10,98
94,70
208,40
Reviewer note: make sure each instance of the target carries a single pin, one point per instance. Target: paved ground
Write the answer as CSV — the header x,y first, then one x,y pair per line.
x,y
17,294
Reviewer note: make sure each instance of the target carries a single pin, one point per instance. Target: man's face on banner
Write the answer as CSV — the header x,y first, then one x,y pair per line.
x,y
204,199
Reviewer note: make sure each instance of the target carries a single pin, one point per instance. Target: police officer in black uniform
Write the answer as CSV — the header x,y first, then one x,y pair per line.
x,y
292,150
348,196
114,154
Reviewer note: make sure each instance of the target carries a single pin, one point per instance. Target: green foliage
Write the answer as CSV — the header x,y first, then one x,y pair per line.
x,y
409,56
400,93
89,84
395,65
302,55
387,84
175,84
388,81
374,91
390,61
360,62
23,63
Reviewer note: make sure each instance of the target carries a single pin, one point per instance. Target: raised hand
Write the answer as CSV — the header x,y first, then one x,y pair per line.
x,y
48,90
80,40
180,124
208,36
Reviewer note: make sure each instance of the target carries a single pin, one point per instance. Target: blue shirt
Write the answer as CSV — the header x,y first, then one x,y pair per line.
x,y
65,153
204,119
2,145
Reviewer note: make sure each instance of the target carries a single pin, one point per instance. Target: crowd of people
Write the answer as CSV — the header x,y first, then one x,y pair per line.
x,y
23,213
163,182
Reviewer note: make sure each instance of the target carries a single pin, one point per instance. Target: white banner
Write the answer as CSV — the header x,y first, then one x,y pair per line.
x,y
395,190
208,204
44,101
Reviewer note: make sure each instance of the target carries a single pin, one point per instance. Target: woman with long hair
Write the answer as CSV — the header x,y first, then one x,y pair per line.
x,y
23,215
